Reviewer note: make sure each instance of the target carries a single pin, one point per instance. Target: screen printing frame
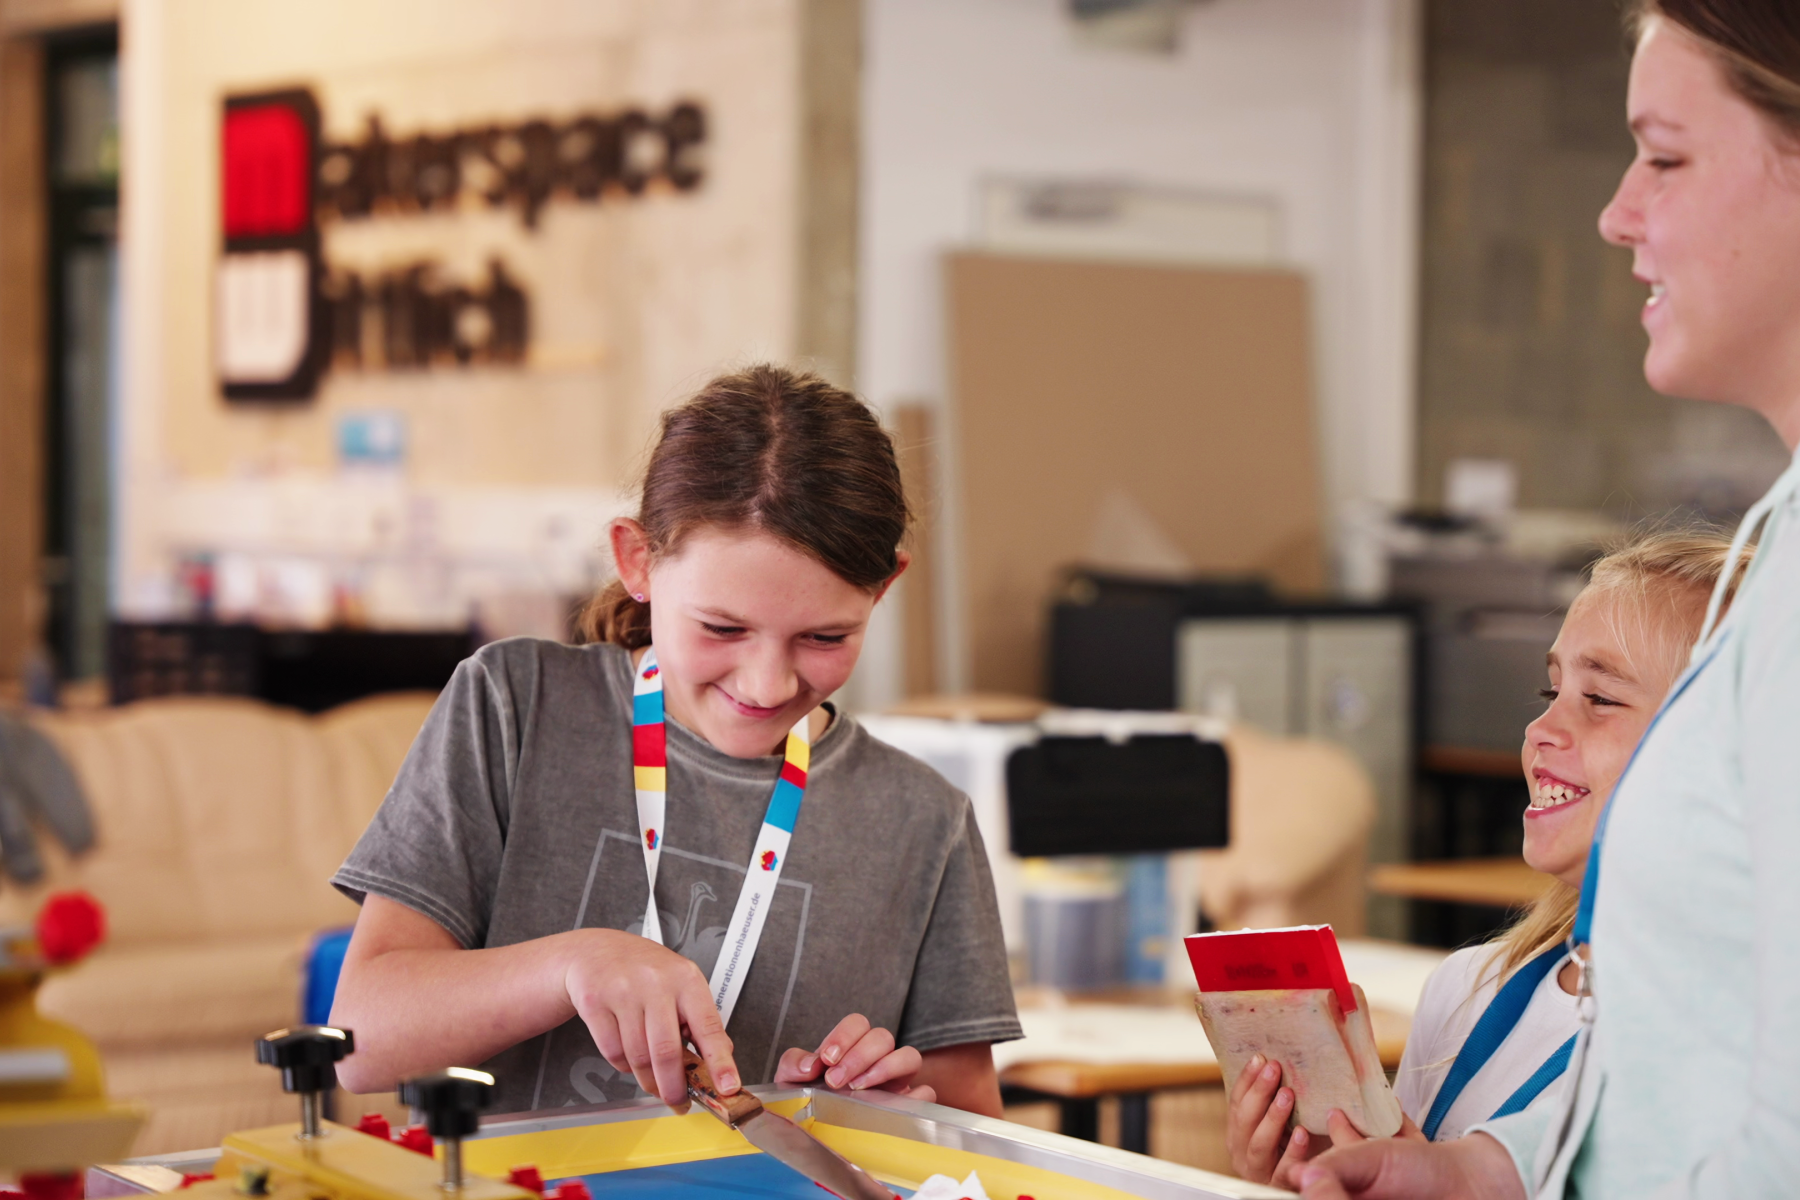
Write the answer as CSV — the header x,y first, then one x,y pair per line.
x,y
871,1112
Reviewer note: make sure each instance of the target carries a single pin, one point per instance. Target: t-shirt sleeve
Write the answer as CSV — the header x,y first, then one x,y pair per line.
x,y
961,990
1416,1083
437,840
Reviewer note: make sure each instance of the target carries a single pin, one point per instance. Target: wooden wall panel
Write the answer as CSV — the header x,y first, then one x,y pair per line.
x,y
1188,390
916,439
23,239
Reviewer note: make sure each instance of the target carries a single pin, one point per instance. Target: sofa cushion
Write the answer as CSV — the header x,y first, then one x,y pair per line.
x,y
222,818
163,995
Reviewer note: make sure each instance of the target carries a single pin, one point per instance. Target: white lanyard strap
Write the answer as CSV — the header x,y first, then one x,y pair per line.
x,y
649,756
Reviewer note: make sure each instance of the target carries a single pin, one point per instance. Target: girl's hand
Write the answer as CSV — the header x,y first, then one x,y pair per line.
x,y
1343,1133
1256,1124
856,1055
642,1002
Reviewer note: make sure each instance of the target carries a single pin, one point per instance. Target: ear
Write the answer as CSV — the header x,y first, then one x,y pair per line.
x,y
631,555
905,560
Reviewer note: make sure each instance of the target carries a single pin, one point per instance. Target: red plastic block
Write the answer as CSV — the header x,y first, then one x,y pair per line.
x,y
375,1125
571,1189
416,1138
47,1185
529,1178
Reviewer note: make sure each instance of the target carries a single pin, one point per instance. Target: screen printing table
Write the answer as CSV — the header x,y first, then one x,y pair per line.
x,y
640,1148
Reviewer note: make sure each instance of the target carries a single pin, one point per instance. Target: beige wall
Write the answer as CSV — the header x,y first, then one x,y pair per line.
x,y
634,302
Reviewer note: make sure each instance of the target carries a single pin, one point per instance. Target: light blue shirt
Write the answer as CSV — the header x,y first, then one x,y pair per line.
x,y
1691,1087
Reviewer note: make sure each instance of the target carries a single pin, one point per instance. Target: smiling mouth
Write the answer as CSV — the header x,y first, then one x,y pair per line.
x,y
1657,291
1549,792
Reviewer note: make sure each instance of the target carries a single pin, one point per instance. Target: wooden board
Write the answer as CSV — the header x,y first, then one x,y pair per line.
x,y
1188,391
1500,882
1076,1080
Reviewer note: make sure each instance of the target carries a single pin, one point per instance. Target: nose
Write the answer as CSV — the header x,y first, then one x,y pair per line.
x,y
766,678
1550,730
1622,220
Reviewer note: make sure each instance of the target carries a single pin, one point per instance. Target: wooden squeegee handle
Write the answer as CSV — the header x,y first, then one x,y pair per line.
x,y
732,1109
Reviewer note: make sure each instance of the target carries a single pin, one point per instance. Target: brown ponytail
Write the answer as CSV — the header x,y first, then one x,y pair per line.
x,y
774,450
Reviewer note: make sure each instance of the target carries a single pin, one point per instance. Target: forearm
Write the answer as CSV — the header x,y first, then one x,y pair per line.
x,y
415,1010
963,1077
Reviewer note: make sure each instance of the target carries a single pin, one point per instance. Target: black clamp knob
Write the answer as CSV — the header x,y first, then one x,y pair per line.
x,y
307,1056
451,1102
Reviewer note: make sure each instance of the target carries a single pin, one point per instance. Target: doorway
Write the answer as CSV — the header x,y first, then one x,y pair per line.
x,y
81,171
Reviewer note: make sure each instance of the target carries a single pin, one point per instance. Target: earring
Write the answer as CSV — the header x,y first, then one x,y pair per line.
x,y
638,596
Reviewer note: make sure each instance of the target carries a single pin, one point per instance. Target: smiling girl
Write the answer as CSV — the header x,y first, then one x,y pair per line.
x,y
1621,646
596,854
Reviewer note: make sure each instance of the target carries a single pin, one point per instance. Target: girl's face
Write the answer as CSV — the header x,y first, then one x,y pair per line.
x,y
1710,208
1600,703
751,634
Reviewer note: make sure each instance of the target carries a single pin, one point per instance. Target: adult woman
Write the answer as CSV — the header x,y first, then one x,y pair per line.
x,y
1685,1082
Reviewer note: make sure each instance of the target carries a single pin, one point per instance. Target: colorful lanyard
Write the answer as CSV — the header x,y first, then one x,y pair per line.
x,y
650,774
1496,1024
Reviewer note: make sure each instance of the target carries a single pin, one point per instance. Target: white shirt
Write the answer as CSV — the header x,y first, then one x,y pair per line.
x,y
1449,1007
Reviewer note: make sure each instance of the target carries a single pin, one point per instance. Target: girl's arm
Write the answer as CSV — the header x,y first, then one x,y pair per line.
x,y
963,1077
417,1001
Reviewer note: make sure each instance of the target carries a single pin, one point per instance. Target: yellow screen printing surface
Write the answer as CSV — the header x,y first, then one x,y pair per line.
x,y
658,1141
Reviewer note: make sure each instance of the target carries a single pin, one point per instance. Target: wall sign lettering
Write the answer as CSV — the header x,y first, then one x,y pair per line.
x,y
283,316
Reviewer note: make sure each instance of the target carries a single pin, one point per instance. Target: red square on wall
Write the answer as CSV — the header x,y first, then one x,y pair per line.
x,y
267,171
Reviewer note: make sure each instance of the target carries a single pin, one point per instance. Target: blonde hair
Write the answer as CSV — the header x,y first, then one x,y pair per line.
x,y
1659,581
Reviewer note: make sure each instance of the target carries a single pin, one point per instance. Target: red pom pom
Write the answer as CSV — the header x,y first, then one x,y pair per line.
x,y
69,925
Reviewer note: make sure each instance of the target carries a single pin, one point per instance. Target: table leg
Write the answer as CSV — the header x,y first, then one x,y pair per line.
x,y
1081,1118
1134,1122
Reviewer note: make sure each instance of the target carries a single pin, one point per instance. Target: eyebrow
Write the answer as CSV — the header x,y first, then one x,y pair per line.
x,y
1651,120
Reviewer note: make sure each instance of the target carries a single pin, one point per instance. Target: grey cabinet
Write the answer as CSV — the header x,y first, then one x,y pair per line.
x,y
1344,678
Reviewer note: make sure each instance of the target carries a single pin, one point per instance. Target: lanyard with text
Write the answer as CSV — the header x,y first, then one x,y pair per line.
x,y
650,774
1497,1021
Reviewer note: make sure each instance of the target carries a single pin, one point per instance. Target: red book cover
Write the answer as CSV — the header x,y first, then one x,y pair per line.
x,y
1244,960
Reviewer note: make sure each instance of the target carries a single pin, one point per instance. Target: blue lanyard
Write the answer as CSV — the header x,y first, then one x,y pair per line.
x,y
1590,878
1496,1023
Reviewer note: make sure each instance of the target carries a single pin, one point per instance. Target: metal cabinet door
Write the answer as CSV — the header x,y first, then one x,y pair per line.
x,y
1358,693
1239,669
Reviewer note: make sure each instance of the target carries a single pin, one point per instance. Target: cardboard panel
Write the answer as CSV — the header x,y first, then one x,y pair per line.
x,y
1181,393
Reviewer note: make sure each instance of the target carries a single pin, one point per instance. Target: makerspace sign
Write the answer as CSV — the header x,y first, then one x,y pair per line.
x,y
283,315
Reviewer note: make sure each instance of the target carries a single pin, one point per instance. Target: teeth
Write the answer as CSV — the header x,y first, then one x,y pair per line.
x,y
1549,794
1656,293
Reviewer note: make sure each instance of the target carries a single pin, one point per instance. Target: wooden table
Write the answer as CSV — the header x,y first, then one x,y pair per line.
x,y
1500,882
1078,1087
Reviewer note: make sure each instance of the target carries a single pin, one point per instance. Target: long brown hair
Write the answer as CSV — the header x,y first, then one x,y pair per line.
x,y
1658,581
1757,42
774,450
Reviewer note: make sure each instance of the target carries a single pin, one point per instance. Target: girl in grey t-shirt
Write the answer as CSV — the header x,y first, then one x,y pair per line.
x,y
830,892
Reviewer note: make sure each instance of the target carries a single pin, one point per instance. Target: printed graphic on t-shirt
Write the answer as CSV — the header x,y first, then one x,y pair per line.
x,y
704,891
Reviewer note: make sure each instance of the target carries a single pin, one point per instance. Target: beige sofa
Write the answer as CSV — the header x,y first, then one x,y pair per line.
x,y
1301,811
220,821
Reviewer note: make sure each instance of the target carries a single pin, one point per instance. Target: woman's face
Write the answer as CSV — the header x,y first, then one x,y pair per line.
x,y
1600,702
751,634
1710,208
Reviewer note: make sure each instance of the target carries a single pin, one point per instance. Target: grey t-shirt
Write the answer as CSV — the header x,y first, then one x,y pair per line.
x,y
514,817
